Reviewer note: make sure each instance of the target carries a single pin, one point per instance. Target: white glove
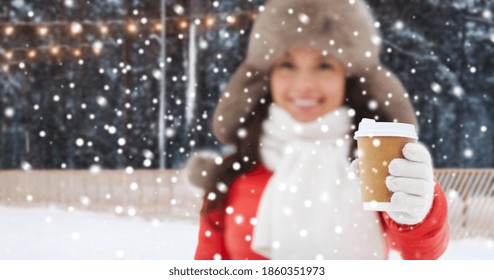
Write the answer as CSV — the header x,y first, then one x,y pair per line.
x,y
411,181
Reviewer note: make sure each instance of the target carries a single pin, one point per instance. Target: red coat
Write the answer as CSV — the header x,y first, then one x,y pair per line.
x,y
427,240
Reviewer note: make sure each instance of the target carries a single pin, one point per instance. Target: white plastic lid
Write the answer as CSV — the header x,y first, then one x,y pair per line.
x,y
370,128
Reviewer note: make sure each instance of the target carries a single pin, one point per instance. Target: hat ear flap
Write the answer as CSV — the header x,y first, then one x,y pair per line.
x,y
202,171
386,95
242,93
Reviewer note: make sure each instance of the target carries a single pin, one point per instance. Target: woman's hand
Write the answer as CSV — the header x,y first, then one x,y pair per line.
x,y
411,181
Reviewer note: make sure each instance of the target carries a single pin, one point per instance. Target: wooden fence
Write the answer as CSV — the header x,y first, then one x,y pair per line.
x,y
470,194
146,193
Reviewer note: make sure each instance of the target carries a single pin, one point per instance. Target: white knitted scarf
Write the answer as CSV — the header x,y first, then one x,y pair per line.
x,y
311,206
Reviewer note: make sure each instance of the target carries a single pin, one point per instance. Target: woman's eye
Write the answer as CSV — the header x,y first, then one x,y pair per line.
x,y
325,66
286,65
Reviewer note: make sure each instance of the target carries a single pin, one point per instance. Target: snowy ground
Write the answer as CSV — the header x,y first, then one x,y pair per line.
x,y
57,234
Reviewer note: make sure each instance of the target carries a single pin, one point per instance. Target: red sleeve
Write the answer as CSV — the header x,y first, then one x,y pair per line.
x,y
425,241
211,242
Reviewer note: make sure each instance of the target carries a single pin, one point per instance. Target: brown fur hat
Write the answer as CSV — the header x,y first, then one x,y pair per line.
x,y
341,28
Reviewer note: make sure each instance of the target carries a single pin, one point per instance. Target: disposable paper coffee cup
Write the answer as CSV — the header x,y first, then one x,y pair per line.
x,y
378,144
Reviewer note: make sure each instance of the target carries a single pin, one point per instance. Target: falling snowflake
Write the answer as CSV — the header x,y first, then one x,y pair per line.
x,y
169,132
373,105
468,153
131,212
121,142
376,142
85,200
453,194
112,130
101,101
236,166
229,210
338,229
134,186
211,196
457,91
95,169
239,219
222,187
399,25
118,209
79,142
487,14
436,87
305,19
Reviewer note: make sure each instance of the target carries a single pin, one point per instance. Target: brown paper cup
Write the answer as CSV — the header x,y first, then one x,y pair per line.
x,y
378,144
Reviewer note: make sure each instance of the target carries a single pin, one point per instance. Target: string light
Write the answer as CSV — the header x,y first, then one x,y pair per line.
x,y
9,55
103,29
158,26
210,21
76,28
55,50
43,30
132,27
183,24
21,55
231,19
9,30
31,54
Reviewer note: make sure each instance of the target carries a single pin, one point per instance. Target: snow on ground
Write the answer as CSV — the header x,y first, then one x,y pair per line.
x,y
58,234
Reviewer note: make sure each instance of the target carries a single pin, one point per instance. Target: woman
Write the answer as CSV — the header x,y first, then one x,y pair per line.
x,y
287,192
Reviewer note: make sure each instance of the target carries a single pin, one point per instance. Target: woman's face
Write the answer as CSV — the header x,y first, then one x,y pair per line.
x,y
307,84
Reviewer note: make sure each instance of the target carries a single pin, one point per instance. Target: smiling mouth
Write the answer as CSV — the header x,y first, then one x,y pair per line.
x,y
305,102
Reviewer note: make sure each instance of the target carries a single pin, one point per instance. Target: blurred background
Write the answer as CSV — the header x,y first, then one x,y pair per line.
x,y
103,102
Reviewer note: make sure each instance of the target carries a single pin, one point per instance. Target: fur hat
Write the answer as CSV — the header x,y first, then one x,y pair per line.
x,y
340,28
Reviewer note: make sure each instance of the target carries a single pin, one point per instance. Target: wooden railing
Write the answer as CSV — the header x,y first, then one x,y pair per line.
x,y
159,194
146,193
470,194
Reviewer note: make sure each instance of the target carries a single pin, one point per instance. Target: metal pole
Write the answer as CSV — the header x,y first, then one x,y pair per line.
x,y
162,113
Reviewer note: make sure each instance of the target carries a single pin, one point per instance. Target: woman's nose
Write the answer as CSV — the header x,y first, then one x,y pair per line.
x,y
303,82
